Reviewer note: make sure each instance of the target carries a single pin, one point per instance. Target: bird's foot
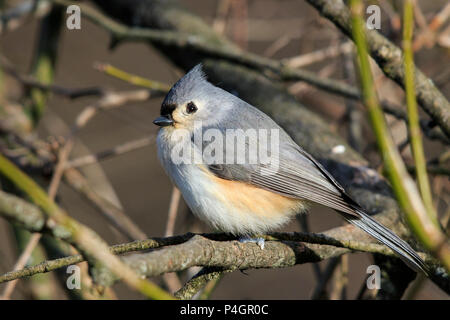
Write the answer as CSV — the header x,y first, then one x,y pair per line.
x,y
259,241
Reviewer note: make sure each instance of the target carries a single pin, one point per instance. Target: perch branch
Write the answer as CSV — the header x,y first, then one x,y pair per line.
x,y
332,243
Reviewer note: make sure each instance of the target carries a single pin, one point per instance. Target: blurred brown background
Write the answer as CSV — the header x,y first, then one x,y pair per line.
x,y
142,187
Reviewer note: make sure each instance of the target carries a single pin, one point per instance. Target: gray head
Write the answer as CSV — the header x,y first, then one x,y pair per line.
x,y
191,99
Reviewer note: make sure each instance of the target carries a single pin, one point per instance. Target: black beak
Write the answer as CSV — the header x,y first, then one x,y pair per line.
x,y
163,121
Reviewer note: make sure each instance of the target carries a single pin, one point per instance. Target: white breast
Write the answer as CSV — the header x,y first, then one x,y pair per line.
x,y
191,180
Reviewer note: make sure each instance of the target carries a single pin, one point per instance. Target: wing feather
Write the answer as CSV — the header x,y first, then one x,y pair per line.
x,y
297,175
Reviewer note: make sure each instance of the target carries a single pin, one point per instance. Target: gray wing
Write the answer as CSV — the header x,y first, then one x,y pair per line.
x,y
297,175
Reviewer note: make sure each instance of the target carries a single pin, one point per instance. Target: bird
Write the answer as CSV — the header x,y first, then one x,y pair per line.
x,y
239,194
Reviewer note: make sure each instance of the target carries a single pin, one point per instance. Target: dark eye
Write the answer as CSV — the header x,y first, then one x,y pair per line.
x,y
191,107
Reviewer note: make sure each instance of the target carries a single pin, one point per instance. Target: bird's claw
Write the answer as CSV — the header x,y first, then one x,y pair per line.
x,y
259,241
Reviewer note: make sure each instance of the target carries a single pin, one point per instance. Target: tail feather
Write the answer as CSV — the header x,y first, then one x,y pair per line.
x,y
391,240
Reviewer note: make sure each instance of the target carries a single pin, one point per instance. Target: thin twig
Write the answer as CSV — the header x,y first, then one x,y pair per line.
x,y
304,227
326,276
394,17
115,151
220,21
413,114
172,214
319,55
277,45
339,291
428,35
171,279
239,16
136,80
21,262
28,81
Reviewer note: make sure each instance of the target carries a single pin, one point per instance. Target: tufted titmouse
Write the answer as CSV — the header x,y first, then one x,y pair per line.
x,y
240,195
